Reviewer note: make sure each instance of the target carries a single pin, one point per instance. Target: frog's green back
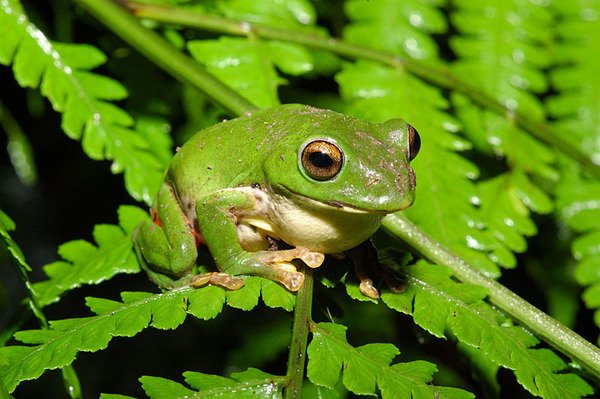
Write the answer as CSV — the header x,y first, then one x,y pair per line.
x,y
263,148
232,153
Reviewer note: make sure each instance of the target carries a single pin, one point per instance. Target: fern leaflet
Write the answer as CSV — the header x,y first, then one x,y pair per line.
x,y
514,66
578,200
85,263
367,368
575,109
61,71
248,64
57,347
439,304
248,384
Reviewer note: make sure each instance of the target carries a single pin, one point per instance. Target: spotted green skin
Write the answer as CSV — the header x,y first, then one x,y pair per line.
x,y
247,171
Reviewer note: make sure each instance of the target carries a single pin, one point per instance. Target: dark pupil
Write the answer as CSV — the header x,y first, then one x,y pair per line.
x,y
320,160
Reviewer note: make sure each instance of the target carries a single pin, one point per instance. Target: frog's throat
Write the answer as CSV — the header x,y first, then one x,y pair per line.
x,y
331,204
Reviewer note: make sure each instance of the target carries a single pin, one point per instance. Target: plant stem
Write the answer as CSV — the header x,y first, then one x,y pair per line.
x,y
169,58
550,330
302,321
434,73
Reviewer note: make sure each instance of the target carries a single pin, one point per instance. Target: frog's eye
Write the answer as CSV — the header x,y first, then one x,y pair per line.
x,y
321,159
414,142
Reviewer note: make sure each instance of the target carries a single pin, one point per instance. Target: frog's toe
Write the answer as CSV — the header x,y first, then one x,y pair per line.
x,y
199,280
313,259
293,280
221,279
394,283
368,289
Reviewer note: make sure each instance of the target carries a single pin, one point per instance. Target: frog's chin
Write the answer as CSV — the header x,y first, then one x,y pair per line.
x,y
333,205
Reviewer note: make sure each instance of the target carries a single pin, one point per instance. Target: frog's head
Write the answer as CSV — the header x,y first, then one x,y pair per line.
x,y
342,162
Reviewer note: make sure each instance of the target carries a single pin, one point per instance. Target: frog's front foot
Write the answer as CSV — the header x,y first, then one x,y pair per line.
x,y
292,280
221,279
283,257
278,265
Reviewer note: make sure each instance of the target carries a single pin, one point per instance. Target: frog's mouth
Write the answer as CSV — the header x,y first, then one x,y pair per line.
x,y
331,204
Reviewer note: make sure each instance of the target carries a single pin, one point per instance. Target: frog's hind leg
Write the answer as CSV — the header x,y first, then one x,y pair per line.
x,y
167,245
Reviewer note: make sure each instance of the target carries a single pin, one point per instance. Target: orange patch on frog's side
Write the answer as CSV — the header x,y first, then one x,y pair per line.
x,y
154,216
198,237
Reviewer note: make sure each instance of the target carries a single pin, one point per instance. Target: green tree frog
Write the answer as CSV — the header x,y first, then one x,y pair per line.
x,y
291,182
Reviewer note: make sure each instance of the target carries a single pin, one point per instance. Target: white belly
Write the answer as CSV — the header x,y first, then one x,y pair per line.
x,y
318,227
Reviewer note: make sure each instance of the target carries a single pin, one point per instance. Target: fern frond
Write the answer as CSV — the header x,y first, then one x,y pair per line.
x,y
298,13
401,28
575,77
248,64
575,109
506,203
7,225
439,304
115,396
248,384
578,200
444,178
85,263
61,72
367,368
58,346
502,49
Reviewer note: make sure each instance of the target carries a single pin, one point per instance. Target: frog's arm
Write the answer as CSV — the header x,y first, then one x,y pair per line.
x,y
217,216
167,245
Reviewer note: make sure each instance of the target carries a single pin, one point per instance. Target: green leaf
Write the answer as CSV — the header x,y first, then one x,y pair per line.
x,y
444,178
519,32
61,71
156,387
574,108
398,27
439,304
575,77
368,367
274,295
506,201
249,384
206,303
511,71
247,298
270,12
58,346
578,200
6,225
248,65
85,263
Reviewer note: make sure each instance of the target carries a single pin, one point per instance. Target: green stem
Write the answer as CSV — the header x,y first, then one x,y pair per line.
x,y
158,50
302,321
434,73
550,330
